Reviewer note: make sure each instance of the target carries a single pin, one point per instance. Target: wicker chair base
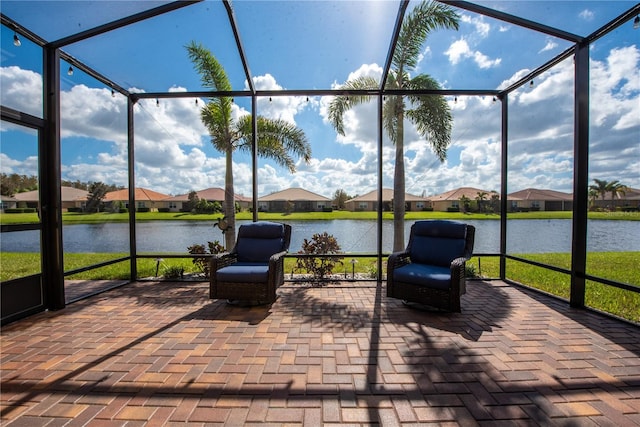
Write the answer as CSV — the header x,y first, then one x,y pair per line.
x,y
435,298
248,293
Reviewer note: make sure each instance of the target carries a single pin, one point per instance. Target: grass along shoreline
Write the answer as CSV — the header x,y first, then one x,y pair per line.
x,y
84,218
618,266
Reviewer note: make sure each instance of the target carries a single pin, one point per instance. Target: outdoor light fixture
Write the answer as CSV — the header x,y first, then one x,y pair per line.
x,y
636,23
157,102
455,99
196,101
113,93
531,83
353,268
70,71
16,40
269,99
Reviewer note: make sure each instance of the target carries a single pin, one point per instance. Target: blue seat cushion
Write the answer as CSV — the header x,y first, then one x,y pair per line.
x,y
430,276
244,272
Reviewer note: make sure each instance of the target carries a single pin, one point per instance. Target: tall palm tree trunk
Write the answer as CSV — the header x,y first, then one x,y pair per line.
x,y
399,186
229,202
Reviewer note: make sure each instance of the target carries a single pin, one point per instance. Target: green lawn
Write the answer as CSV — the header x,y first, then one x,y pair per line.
x,y
618,266
73,217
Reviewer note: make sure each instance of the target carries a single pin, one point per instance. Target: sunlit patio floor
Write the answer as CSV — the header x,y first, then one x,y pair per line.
x,y
162,353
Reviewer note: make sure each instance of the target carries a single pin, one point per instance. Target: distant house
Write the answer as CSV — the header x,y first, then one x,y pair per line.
x,y
293,200
540,200
71,198
145,199
176,203
450,200
630,200
7,202
369,202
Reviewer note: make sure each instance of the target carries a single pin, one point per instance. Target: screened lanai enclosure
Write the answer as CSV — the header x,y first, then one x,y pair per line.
x,y
539,95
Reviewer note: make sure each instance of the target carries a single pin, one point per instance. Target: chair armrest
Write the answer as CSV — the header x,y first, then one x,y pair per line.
x,y
276,271
458,267
397,260
276,257
224,259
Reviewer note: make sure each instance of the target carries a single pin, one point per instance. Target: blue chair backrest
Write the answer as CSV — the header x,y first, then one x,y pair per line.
x,y
437,242
257,241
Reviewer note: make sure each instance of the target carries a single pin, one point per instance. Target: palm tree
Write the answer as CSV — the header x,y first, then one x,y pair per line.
x,y
465,202
593,195
430,114
616,188
481,196
601,187
278,140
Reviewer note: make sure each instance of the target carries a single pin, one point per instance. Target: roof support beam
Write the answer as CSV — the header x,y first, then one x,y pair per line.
x,y
392,46
93,73
521,22
236,34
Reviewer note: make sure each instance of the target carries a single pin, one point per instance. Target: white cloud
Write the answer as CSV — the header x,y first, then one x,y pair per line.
x,y
21,90
482,28
460,49
550,45
277,107
587,15
484,61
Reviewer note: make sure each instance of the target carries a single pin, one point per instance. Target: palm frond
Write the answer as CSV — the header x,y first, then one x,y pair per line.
x,y
390,116
212,73
432,118
423,19
340,104
217,120
278,140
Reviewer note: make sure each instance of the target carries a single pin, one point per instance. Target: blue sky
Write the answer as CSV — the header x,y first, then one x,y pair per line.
x,y
320,45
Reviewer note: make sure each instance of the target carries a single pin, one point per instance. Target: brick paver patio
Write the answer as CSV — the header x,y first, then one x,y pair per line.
x,y
158,353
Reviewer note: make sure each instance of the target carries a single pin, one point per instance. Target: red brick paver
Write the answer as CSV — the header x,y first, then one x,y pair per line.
x,y
158,353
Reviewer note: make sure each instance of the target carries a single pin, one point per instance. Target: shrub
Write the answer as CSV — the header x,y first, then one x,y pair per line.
x,y
164,210
143,210
205,207
74,209
173,272
470,270
203,262
320,244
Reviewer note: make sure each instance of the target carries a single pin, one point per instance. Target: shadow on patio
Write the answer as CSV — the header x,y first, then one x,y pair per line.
x,y
163,352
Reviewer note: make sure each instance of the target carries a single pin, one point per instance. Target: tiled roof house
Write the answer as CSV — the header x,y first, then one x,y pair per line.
x,y
215,194
369,201
144,198
293,200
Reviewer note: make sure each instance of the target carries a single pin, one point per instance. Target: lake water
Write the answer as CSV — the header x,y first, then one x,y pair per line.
x,y
524,236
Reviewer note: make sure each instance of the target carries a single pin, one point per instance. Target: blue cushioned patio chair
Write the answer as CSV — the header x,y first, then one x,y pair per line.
x,y
431,271
254,269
